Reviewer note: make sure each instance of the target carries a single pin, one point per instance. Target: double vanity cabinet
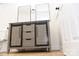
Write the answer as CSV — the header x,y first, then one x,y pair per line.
x,y
24,35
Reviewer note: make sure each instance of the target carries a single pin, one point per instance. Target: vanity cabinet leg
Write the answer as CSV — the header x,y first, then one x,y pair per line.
x,y
8,51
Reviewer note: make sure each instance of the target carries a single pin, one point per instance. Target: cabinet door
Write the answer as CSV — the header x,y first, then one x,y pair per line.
x,y
16,36
41,34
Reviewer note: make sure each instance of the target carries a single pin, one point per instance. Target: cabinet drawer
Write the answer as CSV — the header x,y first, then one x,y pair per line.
x,y
28,35
29,42
28,27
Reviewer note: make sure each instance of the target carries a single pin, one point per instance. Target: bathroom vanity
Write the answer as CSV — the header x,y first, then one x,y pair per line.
x,y
24,35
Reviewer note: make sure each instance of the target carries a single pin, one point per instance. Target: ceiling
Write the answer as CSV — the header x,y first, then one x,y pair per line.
x,y
33,2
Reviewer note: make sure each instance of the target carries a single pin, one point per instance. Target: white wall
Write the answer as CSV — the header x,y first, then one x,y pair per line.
x,y
69,28
54,28
8,14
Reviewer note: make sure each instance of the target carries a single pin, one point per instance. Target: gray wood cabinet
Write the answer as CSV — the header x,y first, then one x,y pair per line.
x,y
25,35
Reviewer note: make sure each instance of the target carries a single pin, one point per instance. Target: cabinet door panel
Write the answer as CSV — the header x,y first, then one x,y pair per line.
x,y
16,36
41,35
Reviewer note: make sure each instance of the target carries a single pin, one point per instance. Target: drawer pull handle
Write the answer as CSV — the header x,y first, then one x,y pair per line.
x,y
28,31
28,24
28,39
